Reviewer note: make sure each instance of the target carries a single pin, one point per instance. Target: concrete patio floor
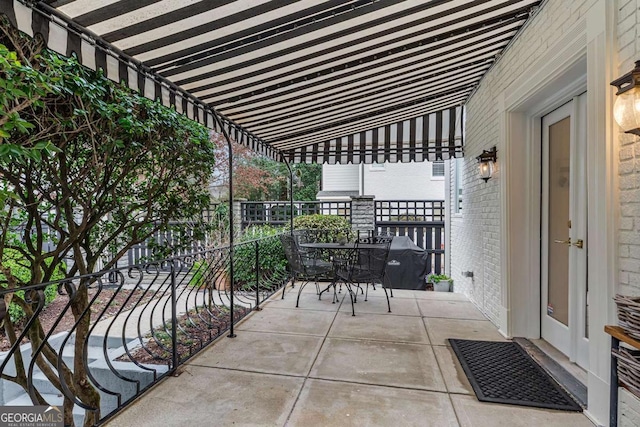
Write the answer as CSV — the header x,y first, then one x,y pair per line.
x,y
319,366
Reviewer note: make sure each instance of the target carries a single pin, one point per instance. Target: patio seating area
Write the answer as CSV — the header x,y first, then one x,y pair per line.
x,y
318,365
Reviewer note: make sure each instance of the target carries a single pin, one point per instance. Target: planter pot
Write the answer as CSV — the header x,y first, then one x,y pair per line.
x,y
221,280
444,286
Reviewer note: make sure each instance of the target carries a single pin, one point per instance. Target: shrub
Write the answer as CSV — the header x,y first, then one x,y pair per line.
x,y
258,232
321,222
23,275
199,269
271,254
271,257
324,228
434,278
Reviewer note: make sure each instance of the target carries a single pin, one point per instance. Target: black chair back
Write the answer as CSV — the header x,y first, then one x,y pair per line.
x,y
292,253
372,255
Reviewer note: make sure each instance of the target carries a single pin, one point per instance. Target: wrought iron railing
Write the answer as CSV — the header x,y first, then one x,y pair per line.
x,y
279,213
109,336
421,220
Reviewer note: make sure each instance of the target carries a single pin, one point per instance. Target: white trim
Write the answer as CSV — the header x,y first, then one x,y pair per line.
x,y
449,165
602,164
333,198
457,167
598,406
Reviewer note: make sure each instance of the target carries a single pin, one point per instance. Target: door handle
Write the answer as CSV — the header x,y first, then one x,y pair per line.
x,y
579,243
564,242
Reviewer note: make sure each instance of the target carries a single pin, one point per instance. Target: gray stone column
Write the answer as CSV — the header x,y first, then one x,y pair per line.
x,y
363,213
237,215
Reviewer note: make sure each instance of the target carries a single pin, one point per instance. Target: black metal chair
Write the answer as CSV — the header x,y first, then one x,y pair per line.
x,y
367,265
304,265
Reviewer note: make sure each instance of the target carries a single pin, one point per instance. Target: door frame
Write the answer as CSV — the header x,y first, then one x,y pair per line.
x,y
581,58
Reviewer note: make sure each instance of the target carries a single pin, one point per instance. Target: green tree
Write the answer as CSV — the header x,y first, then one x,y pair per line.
x,y
308,183
306,180
261,178
91,168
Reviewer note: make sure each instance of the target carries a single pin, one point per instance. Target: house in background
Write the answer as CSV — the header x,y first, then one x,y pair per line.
x,y
384,181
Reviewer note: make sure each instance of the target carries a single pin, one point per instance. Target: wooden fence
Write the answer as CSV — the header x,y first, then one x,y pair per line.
x,y
421,220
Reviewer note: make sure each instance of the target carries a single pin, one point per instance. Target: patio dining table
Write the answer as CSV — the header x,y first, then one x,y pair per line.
x,y
407,264
333,247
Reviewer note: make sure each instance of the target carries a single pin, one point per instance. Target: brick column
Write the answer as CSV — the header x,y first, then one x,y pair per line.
x,y
363,215
237,214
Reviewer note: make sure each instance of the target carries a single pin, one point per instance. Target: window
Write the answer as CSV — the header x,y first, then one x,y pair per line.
x,y
377,167
457,187
437,169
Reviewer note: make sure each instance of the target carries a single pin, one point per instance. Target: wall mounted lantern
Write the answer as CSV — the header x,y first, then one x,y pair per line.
x,y
626,109
486,161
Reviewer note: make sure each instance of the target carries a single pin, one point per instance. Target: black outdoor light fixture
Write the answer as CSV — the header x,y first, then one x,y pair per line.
x,y
486,161
626,109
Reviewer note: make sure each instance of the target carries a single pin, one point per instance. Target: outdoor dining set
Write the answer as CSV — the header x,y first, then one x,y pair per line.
x,y
315,256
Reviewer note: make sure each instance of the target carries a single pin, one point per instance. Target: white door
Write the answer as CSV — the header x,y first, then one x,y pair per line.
x,y
564,230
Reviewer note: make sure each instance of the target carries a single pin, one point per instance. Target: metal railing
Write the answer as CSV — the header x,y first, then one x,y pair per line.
x,y
421,220
278,213
111,335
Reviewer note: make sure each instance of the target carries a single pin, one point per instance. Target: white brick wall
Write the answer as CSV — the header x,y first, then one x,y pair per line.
x,y
475,236
629,169
628,410
628,36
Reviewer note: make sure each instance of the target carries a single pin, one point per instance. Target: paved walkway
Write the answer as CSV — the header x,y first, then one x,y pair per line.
x,y
319,366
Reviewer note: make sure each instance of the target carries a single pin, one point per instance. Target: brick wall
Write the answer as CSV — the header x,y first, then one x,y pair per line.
x,y
628,410
628,38
475,235
629,167
363,214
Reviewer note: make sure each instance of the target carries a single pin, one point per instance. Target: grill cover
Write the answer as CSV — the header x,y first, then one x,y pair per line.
x,y
407,265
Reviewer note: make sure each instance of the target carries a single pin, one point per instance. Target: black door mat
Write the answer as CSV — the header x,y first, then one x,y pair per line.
x,y
502,372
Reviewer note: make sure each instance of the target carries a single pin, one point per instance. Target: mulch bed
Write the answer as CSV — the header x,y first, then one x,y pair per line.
x,y
50,313
194,332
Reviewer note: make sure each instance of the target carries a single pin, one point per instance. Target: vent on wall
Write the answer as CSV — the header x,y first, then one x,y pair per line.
x,y
437,168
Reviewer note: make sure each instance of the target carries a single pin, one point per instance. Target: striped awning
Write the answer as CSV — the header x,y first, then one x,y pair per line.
x,y
306,81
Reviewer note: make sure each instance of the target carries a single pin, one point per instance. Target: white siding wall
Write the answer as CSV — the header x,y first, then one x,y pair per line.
x,y
475,236
340,177
629,167
396,181
403,181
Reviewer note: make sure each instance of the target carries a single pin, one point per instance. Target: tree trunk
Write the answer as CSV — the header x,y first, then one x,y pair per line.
x,y
85,391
